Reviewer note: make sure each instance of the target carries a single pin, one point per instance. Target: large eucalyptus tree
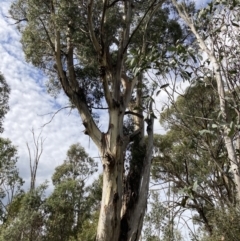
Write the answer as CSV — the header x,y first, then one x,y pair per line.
x,y
95,51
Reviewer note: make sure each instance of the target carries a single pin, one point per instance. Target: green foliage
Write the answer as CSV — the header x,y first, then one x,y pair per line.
x,y
153,221
38,21
11,182
73,211
92,203
89,228
71,204
195,164
153,238
26,218
162,34
4,96
77,166
158,222
225,224
60,207
69,213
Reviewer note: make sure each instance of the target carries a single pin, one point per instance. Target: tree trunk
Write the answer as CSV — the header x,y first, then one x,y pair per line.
x,y
112,149
136,183
229,143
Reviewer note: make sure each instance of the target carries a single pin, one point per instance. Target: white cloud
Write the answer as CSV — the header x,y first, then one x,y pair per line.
x,y
29,102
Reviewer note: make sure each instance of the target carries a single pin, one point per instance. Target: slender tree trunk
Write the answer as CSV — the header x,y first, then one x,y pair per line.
x,y
229,143
35,158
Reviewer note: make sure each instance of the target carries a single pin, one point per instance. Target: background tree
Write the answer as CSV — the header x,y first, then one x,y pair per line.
x,y
25,214
153,220
69,205
159,221
217,37
26,221
92,203
35,157
4,96
10,181
225,224
64,214
191,157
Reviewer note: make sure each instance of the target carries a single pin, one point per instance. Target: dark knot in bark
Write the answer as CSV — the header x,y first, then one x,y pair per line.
x,y
115,198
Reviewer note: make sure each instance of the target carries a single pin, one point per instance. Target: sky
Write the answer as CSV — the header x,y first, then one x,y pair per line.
x,y
30,105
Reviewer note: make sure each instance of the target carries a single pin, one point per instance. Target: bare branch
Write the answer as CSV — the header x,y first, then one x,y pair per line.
x,y
48,36
108,95
113,3
138,26
35,158
17,20
105,5
55,114
72,79
134,113
91,29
